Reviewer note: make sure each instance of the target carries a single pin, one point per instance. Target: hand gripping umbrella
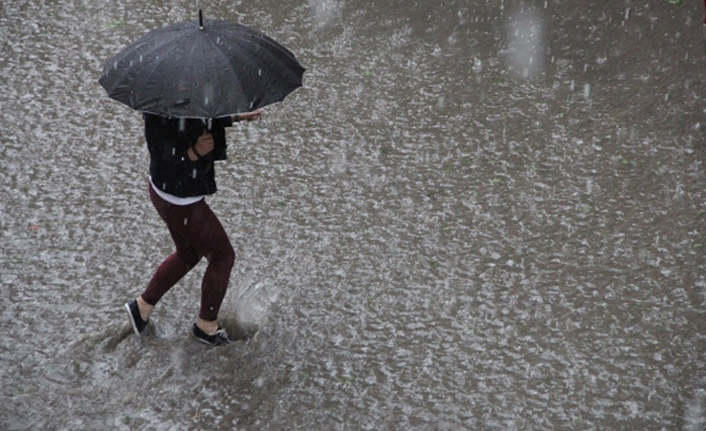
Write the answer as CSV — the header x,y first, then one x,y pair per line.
x,y
201,69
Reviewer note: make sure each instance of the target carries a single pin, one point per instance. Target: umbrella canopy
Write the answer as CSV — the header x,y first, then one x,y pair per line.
x,y
201,69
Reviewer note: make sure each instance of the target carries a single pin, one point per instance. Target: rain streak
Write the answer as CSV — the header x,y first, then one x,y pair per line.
x,y
485,215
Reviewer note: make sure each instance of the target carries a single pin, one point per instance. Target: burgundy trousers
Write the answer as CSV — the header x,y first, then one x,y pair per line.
x,y
196,232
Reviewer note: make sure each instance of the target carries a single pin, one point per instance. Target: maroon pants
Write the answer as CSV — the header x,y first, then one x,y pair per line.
x,y
196,232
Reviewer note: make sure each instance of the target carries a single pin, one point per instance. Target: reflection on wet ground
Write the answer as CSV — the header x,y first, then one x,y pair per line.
x,y
473,216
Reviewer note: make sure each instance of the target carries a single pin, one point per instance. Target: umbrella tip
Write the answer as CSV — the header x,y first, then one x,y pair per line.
x,y
200,19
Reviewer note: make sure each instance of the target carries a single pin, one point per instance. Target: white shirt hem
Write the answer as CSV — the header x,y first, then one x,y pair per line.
x,y
176,200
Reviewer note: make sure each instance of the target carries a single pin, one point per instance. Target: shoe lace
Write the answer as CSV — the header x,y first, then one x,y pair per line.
x,y
222,333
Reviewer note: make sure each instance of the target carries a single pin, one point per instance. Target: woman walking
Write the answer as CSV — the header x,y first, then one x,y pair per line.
x,y
182,154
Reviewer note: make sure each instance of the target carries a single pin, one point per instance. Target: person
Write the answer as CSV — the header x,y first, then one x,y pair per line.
x,y
182,154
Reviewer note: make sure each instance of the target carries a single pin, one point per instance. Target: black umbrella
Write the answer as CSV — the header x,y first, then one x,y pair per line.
x,y
201,69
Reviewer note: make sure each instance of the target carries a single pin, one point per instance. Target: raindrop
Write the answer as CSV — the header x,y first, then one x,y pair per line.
x,y
218,40
477,65
259,72
587,91
441,102
182,124
173,151
140,59
252,103
627,13
115,65
186,221
205,100
526,43
194,173
695,414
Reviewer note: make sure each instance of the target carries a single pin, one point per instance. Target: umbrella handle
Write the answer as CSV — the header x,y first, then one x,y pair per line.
x,y
200,19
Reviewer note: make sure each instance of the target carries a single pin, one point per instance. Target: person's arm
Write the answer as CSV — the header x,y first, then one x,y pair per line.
x,y
191,154
203,146
248,116
163,140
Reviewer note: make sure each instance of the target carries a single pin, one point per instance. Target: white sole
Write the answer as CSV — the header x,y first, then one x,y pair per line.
x,y
132,321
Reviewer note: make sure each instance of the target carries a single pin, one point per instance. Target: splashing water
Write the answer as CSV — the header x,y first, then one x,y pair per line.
x,y
526,46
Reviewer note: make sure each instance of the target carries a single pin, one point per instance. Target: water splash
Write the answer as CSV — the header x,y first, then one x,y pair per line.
x,y
324,11
695,413
526,45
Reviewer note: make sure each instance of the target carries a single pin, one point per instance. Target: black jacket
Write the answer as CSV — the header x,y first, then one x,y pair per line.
x,y
171,170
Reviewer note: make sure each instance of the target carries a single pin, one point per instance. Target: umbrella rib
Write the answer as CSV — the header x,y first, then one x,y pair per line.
x,y
154,70
270,56
263,38
230,65
267,40
127,54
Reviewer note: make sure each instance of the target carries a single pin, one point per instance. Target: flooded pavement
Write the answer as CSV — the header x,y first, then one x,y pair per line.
x,y
473,216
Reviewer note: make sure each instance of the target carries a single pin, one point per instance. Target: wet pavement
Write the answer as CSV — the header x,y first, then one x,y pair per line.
x,y
473,216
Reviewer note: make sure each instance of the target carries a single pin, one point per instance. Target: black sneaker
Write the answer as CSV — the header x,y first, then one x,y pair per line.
x,y
133,313
218,339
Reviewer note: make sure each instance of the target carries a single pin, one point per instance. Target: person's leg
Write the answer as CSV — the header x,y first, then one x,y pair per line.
x,y
196,232
176,265
172,269
205,233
